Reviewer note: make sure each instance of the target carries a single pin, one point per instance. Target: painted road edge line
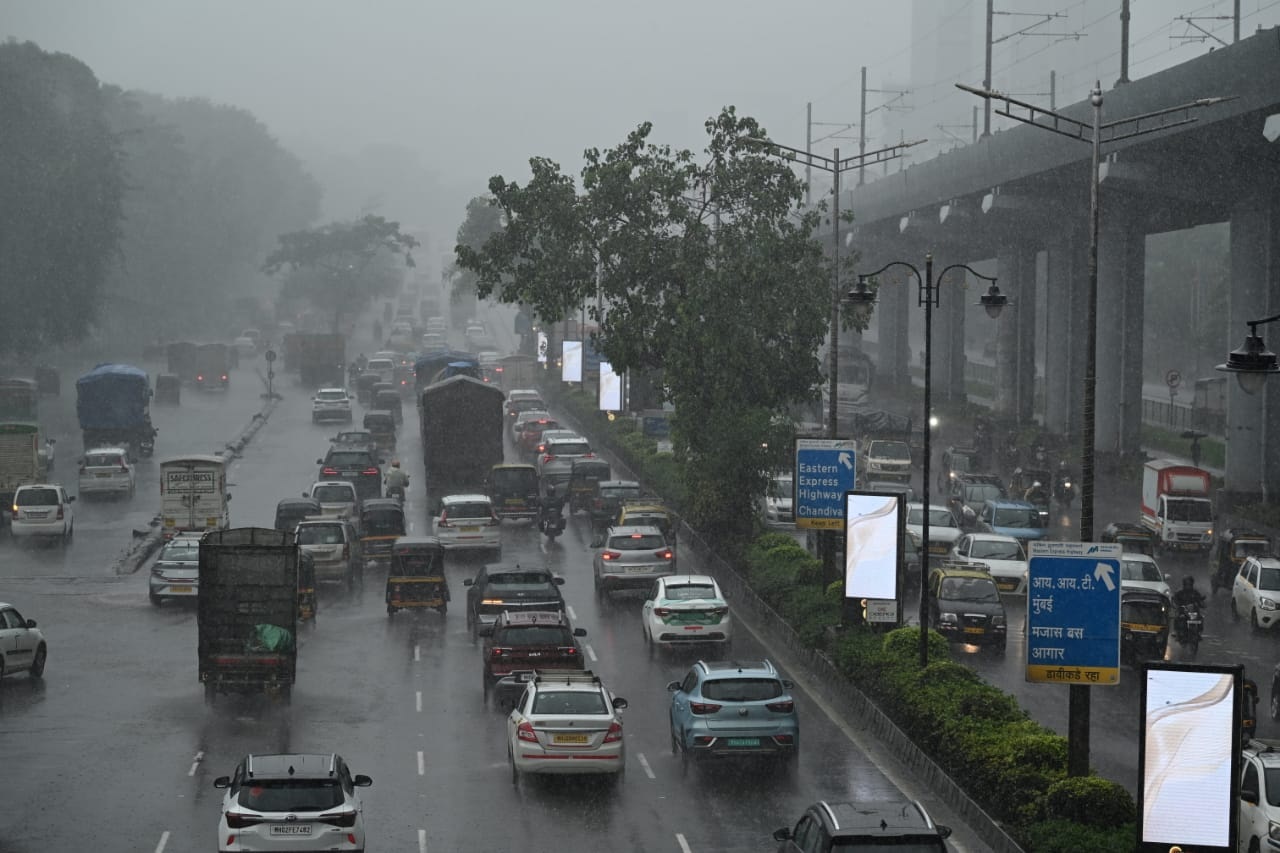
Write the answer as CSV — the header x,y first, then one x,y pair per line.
x,y
684,845
572,615
644,763
164,842
422,841
195,763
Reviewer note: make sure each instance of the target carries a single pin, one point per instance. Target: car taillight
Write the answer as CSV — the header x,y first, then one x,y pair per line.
x,y
199,377
615,733
782,707
15,510
124,469
60,511
328,472
343,819
662,611
569,651
703,707
547,457
236,820
497,652
444,519
611,555
224,377
664,554
525,732
370,472
492,601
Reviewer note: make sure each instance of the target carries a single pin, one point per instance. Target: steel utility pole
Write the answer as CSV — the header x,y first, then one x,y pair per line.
x,y
1124,43
862,129
986,75
1094,133
808,150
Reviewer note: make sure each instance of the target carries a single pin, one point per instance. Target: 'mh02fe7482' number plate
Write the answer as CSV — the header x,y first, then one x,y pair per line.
x,y
291,829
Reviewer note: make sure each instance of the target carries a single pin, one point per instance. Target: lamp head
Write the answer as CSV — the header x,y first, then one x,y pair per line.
x,y
862,299
993,301
1251,362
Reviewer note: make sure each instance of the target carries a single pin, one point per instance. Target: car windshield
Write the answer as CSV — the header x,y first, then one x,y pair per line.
x,y
291,795
534,635
37,497
969,589
334,494
569,702
331,395
1020,517
319,534
1272,775
348,459
376,365
937,517
467,510
569,448
103,460
353,438
1269,579
1139,570
181,551
1184,510
619,492
986,549
741,689
636,542
890,450
982,492
690,592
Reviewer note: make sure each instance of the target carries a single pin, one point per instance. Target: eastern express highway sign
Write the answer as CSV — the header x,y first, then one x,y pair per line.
x,y
824,472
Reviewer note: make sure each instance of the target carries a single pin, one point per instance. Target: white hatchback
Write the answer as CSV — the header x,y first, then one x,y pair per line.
x,y
468,523
107,470
42,511
1255,594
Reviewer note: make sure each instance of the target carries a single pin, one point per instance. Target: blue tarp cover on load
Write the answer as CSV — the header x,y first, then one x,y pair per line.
x,y
113,396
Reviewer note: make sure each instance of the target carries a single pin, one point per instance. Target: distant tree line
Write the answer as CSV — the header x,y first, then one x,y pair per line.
x,y
127,213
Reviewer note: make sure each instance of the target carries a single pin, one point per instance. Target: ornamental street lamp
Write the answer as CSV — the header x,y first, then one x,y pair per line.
x,y
1252,362
927,293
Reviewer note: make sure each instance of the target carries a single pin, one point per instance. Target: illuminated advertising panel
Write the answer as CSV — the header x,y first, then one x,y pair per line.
x,y
571,361
610,389
874,527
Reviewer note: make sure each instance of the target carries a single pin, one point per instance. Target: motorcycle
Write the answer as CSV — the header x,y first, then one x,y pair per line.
x,y
1064,490
551,521
1188,626
396,493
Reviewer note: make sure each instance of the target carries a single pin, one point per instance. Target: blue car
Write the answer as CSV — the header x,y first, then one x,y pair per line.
x,y
725,709
1019,519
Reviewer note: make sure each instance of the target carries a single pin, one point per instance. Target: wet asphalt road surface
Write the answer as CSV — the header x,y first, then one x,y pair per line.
x,y
116,750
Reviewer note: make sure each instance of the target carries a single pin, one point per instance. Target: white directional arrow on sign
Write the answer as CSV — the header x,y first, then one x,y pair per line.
x,y
846,460
1102,572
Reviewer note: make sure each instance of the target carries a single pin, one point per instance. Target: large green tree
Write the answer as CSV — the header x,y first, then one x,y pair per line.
x,y
707,272
61,188
341,267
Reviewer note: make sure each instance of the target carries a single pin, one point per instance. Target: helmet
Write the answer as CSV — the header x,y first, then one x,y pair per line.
x,y
395,463
1188,582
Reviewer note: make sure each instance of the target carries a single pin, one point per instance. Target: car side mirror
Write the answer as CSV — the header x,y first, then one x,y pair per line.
x,y
673,686
222,782
382,462
305,495
619,704
579,632
71,499
228,496
788,684
486,631
944,831
363,781
468,582
557,580
31,623
597,542
51,441
1249,795
783,834
319,461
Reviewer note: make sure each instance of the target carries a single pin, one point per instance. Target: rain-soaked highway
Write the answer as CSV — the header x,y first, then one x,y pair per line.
x,y
115,750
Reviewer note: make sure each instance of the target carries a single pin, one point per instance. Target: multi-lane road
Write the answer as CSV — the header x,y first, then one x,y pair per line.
x,y
115,750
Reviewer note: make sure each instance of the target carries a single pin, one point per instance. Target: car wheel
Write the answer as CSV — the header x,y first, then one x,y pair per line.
x,y
685,760
1235,614
155,599
285,694
210,694
443,608
390,610
37,665
1253,620
675,746
648,640
1275,703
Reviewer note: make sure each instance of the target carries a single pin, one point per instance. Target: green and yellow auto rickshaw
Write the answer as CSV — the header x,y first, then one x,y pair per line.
x,y
382,426
415,579
1144,625
308,602
1132,538
381,524
1235,545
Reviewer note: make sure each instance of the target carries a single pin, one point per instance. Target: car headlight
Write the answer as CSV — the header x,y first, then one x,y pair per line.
x,y
997,621
1273,830
948,619
1266,604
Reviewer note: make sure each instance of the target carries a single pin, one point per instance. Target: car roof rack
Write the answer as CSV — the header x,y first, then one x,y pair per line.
x,y
565,676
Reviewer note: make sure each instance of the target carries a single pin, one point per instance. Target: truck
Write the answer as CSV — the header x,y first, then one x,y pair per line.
x,y
113,404
20,462
213,366
462,420
19,401
247,612
1176,505
193,494
321,359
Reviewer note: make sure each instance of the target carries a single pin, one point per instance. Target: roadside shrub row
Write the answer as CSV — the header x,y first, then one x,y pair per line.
x,y
1012,766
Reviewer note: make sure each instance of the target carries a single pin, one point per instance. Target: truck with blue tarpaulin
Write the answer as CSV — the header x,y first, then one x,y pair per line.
x,y
113,403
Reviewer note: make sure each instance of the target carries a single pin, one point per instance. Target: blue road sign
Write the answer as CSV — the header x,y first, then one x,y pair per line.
x,y
824,472
1073,613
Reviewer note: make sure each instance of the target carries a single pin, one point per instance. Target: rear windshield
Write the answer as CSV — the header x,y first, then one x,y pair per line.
x,y
37,497
690,592
331,395
515,478
467,510
183,551
333,494
103,460
382,523
291,795
637,542
376,364
320,534
520,579
569,448
353,438
569,702
526,405
619,492
741,689
348,458
534,635
419,564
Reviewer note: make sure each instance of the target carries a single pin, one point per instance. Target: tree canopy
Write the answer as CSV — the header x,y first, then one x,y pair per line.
x,y
707,273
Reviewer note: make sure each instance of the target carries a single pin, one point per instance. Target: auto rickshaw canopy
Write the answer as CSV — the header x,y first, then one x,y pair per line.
x,y
417,556
381,517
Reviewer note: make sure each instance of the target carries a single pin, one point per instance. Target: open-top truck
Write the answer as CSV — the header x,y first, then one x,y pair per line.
x,y
462,420
247,612
1176,505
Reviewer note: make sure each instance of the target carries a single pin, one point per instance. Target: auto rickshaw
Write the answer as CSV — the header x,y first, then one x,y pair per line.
x,y
1144,624
608,499
308,602
364,386
292,510
649,511
514,490
389,401
1236,545
416,578
1132,538
381,524
382,426
585,476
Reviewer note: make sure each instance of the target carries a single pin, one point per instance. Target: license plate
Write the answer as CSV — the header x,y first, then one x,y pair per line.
x,y
938,549
31,514
291,829
469,529
513,502
693,627
571,739
742,741
102,475
639,569
975,630
179,589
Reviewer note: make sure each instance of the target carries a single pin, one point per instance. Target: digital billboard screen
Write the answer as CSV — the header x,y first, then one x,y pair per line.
x,y
874,529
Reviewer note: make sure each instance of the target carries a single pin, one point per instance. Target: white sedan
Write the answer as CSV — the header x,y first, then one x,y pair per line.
x,y
567,722
686,610
1002,555
944,530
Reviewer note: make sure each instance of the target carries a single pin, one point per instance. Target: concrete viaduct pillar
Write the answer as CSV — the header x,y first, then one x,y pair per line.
x,y
948,330
1121,279
1015,334
1065,331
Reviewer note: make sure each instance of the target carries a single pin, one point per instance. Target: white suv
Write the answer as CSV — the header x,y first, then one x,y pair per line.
x,y
42,511
331,404
1255,593
106,470
337,498
1259,791
468,522
22,646
567,722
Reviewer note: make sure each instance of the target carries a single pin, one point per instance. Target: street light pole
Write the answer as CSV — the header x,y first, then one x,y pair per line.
x,y
927,295
1078,705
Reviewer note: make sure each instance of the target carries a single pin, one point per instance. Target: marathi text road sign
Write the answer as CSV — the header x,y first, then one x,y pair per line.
x,y
824,472
1073,613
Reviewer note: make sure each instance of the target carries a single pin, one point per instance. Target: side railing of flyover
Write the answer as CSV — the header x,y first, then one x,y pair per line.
x,y
841,693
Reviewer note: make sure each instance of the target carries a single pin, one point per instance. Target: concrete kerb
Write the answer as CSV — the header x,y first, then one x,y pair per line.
x,y
147,544
826,679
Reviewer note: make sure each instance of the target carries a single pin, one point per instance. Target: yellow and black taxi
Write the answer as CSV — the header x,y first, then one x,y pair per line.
x,y
965,606
648,512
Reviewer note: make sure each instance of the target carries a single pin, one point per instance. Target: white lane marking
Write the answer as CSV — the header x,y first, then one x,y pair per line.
x,y
572,616
417,652
422,767
195,763
417,701
164,841
422,841
591,653
644,763
684,845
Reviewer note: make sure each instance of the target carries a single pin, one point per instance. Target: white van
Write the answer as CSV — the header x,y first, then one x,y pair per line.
x,y
193,494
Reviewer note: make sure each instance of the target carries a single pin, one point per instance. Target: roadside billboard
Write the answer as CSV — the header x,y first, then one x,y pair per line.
x,y
874,527
571,361
610,389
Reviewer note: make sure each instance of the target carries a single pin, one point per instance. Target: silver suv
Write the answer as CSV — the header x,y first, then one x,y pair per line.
x,y
334,546
632,557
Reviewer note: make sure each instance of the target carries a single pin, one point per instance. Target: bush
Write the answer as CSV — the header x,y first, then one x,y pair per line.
x,y
1090,800
1063,836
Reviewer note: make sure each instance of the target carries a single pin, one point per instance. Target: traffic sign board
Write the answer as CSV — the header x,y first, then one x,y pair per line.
x,y
824,472
1172,378
1073,613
